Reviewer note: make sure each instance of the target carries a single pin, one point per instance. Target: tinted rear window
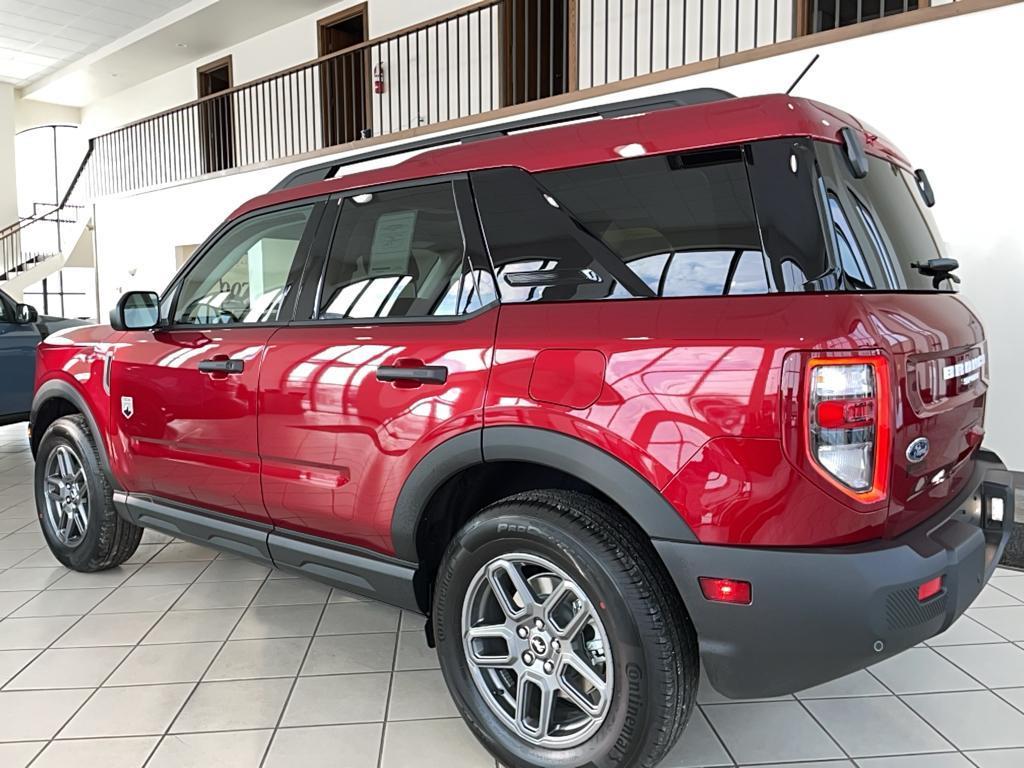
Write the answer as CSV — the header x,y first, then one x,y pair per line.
x,y
880,225
678,225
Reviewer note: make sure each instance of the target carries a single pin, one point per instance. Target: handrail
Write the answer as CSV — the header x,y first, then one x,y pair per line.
x,y
373,42
47,125
492,56
13,256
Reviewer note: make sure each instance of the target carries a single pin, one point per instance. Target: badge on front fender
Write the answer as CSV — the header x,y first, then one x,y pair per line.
x,y
127,407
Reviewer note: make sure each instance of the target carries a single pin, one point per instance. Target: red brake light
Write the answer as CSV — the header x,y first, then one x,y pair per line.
x,y
930,588
847,423
725,590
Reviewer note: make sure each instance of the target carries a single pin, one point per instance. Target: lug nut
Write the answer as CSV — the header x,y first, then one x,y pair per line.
x,y
528,657
549,667
538,624
523,632
556,645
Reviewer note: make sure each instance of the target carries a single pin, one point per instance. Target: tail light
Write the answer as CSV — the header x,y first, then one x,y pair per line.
x,y
847,423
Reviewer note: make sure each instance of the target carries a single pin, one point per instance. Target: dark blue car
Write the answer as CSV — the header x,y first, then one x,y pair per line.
x,y
21,330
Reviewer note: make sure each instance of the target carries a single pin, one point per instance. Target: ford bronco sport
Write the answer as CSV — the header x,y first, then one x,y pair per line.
x,y
685,386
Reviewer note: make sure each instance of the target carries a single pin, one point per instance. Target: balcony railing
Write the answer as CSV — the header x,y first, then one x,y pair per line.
x,y
494,54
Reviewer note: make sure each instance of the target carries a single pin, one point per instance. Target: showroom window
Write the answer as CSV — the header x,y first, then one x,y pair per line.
x,y
664,226
244,277
398,253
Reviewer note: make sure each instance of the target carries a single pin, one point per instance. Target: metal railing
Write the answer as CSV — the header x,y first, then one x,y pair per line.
x,y
832,14
35,239
489,55
41,236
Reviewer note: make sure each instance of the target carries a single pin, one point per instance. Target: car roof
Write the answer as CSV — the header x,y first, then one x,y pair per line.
x,y
678,129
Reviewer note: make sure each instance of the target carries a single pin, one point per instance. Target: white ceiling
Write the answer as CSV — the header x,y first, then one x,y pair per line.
x,y
38,37
191,31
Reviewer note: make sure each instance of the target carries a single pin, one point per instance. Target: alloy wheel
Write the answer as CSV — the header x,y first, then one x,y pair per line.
x,y
67,496
537,651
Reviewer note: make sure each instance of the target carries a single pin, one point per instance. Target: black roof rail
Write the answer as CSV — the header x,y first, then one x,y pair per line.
x,y
329,169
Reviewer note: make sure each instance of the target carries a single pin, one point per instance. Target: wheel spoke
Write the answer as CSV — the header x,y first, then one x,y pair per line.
x,y
507,582
566,595
572,691
534,703
81,517
478,636
64,464
63,526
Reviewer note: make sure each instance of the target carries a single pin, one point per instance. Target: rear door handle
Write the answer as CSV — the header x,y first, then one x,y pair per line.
x,y
224,366
420,374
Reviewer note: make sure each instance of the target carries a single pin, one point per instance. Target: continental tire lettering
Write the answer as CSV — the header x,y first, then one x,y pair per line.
x,y
634,676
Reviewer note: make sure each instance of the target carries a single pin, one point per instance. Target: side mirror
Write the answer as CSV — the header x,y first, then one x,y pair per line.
x,y
136,311
25,314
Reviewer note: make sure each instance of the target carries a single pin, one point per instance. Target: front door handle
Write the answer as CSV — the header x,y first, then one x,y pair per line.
x,y
222,365
413,371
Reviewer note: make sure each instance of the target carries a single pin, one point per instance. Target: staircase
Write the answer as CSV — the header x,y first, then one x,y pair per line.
x,y
38,246
35,247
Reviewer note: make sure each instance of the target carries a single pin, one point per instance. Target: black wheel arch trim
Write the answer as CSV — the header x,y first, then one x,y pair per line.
x,y
598,468
54,389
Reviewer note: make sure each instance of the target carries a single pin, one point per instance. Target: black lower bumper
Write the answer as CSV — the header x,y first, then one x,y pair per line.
x,y
818,614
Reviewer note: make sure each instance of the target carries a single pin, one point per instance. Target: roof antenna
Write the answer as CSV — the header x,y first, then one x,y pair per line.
x,y
801,76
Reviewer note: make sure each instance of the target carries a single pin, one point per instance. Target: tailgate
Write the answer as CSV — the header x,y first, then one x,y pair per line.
x,y
941,366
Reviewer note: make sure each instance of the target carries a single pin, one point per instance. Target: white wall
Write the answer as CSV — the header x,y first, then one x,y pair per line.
x,y
273,51
956,116
8,182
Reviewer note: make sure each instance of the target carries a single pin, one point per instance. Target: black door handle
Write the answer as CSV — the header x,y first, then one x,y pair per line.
x,y
222,366
421,374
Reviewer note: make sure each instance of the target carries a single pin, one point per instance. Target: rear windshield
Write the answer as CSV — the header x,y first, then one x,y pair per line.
x,y
880,226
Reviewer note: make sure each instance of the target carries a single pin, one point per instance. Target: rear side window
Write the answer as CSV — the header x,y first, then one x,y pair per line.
x,y
661,226
397,254
881,226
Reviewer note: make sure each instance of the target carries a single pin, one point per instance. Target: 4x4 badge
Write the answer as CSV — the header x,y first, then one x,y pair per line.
x,y
128,407
917,450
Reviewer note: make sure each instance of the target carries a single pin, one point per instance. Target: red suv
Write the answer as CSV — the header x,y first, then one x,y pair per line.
x,y
684,385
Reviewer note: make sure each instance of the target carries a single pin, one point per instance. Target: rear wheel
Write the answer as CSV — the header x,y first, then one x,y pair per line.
x,y
561,637
74,501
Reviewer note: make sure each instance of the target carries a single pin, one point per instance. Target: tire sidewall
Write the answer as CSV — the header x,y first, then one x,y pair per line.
x,y
68,433
502,532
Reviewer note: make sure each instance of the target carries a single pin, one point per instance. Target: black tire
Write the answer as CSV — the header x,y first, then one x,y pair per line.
x,y
109,539
653,642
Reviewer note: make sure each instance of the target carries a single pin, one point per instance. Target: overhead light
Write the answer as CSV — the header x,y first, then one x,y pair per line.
x,y
181,45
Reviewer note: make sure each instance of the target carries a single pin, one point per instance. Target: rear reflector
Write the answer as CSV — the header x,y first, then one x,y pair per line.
x,y
725,590
996,509
930,588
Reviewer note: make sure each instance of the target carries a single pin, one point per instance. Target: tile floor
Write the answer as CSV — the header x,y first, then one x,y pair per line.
x,y
184,657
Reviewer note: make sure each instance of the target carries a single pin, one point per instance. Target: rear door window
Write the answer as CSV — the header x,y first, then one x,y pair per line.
x,y
660,226
399,253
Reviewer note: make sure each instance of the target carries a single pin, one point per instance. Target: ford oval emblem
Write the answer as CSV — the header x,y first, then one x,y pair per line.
x,y
917,450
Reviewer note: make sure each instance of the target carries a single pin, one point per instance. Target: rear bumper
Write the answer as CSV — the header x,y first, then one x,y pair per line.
x,y
818,614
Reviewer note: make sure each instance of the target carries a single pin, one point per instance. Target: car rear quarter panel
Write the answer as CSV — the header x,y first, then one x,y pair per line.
x,y
691,400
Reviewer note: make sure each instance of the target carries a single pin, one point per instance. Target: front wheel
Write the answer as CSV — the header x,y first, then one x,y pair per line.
x,y
561,637
75,503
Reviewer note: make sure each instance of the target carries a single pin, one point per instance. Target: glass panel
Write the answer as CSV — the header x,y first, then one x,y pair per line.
x,y
398,253
634,228
243,277
850,255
